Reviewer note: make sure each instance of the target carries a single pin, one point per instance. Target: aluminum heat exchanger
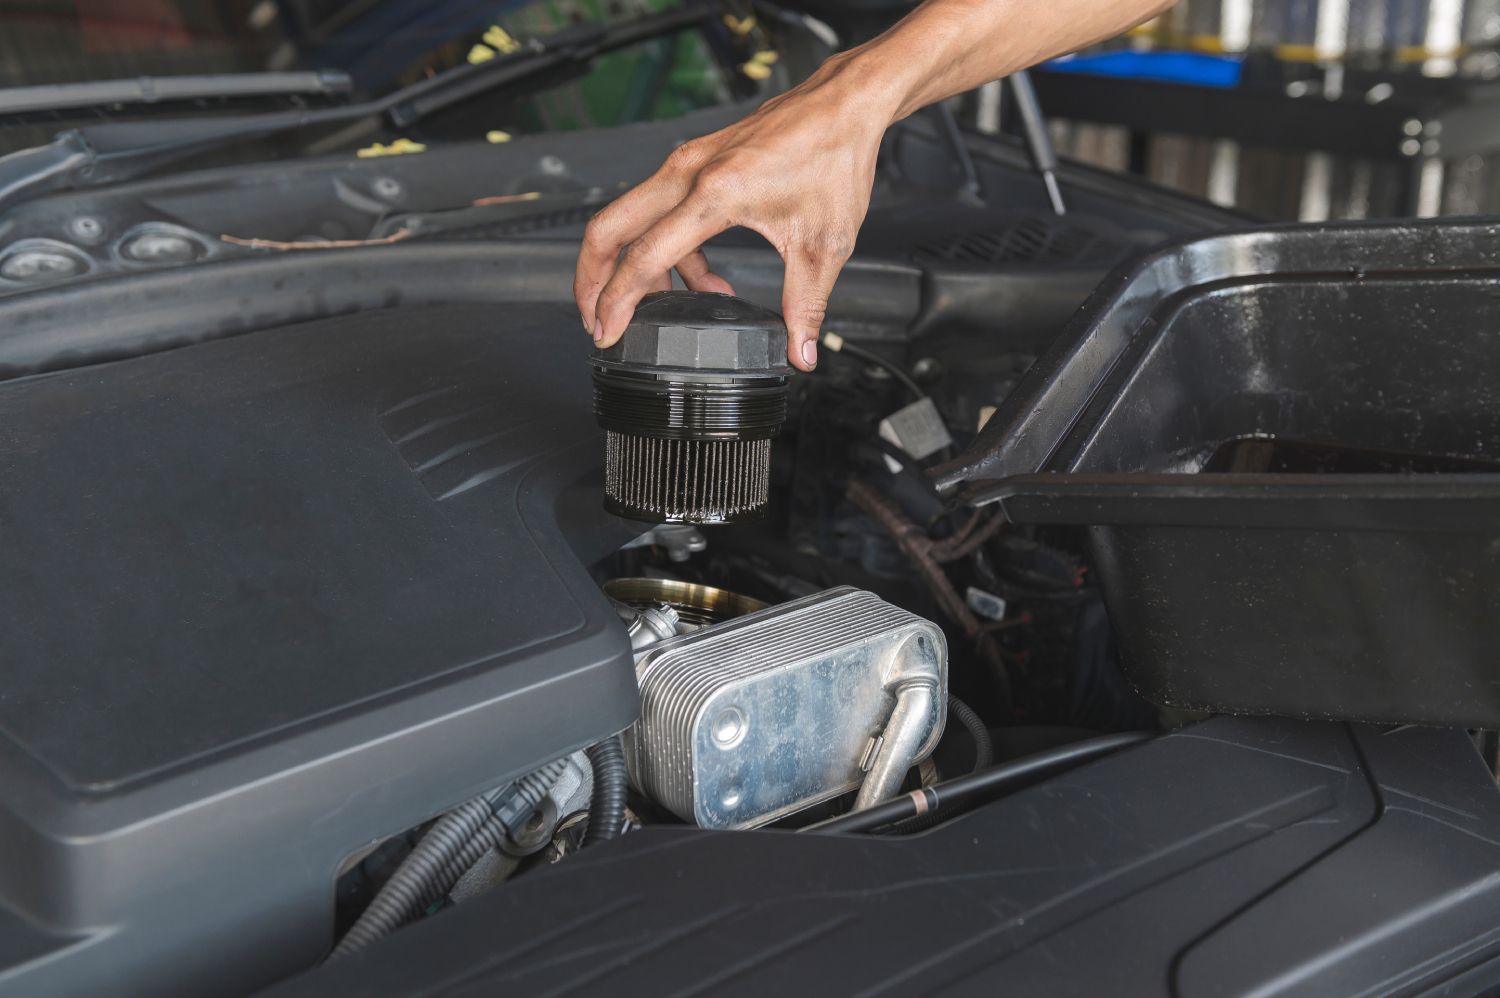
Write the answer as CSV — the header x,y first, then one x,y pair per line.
x,y
751,720
689,399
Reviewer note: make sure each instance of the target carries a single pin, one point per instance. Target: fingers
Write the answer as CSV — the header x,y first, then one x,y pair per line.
x,y
624,220
697,276
810,276
675,237
613,228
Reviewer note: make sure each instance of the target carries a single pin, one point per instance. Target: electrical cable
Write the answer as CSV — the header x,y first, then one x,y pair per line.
x,y
917,546
837,344
944,798
457,841
611,784
984,747
984,755
815,28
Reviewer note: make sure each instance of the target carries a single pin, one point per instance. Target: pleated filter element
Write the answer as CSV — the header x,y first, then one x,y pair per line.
x,y
696,481
689,400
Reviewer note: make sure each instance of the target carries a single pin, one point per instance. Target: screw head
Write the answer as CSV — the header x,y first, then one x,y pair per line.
x,y
86,228
729,727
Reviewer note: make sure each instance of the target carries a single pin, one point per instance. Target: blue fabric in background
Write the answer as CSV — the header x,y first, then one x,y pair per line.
x,y
1220,71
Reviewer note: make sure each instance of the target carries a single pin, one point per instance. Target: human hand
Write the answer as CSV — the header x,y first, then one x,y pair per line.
x,y
798,171
800,168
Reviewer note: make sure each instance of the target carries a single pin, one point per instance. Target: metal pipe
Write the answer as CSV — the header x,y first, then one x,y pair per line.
x,y
1038,142
899,743
952,795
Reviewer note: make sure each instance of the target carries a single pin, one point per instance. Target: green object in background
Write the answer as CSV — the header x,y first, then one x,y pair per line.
x,y
660,78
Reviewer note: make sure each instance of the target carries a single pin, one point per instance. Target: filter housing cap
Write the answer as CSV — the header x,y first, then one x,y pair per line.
x,y
694,331
690,398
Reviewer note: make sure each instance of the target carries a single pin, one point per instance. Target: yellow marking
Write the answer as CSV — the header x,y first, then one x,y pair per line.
x,y
738,26
506,198
501,40
398,147
1297,53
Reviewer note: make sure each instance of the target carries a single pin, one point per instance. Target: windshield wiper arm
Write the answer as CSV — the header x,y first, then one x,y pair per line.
x,y
94,155
164,89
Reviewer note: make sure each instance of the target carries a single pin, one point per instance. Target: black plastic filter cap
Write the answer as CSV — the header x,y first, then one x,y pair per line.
x,y
689,399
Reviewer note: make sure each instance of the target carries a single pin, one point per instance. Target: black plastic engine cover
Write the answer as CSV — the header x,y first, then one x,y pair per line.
x,y
267,598
1235,857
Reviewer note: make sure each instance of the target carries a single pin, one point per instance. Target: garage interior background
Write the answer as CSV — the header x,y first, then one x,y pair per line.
x,y
1284,109
1296,109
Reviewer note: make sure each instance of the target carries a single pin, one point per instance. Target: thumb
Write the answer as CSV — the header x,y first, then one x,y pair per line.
x,y
804,304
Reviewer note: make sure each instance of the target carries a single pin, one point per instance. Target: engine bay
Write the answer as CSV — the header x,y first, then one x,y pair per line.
x,y
321,627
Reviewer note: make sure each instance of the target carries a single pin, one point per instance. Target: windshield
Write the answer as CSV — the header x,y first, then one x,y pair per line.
x,y
381,46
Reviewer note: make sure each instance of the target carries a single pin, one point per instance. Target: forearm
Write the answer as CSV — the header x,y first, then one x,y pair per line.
x,y
947,47
799,170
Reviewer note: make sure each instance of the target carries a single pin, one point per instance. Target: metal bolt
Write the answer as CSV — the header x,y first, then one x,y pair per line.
x,y
729,728
1410,147
387,187
927,369
86,228
1411,126
552,166
731,796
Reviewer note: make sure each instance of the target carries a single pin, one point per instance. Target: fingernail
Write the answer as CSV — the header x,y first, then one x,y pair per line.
x,y
584,319
810,353
598,331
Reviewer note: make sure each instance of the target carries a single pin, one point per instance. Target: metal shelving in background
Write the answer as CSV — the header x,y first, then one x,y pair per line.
x,y
1309,109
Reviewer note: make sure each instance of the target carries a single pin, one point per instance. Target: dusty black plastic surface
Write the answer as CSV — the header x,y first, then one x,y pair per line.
x,y
1238,856
1344,595
269,598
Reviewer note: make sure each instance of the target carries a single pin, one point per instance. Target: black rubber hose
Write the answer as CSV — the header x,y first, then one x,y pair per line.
x,y
423,877
984,747
607,802
454,843
953,794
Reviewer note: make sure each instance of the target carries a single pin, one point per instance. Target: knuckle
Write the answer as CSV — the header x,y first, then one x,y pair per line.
x,y
717,179
685,157
598,228
836,244
636,252
716,173
813,308
639,255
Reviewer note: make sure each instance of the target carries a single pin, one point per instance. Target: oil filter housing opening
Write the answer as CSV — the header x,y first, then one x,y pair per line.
x,y
689,399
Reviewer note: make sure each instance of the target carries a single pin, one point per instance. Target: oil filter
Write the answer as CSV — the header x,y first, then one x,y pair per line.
x,y
689,399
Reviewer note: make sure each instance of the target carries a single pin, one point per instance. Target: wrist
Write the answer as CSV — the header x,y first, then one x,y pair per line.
x,y
871,83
